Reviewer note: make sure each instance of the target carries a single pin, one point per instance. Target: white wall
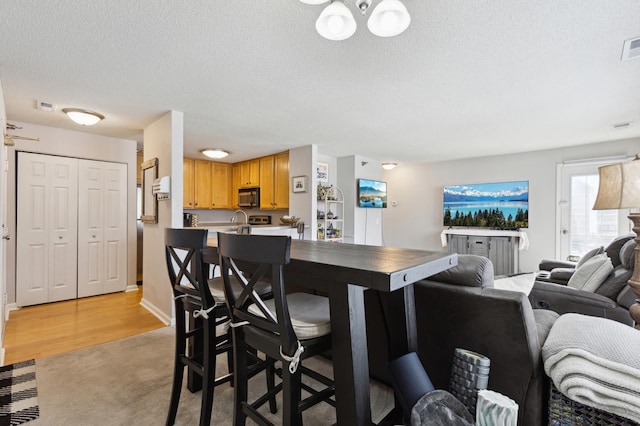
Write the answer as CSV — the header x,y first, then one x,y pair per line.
x,y
162,140
69,143
3,205
416,221
302,162
362,225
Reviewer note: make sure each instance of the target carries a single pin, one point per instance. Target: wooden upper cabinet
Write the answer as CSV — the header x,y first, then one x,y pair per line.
x,y
281,180
266,183
274,181
235,184
221,185
207,184
202,183
249,173
188,192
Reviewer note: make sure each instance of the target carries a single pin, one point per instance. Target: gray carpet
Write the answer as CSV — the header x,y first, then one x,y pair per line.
x,y
129,382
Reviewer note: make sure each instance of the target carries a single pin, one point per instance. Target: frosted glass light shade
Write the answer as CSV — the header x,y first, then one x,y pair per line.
x,y
619,186
389,19
82,116
314,1
336,22
215,153
389,166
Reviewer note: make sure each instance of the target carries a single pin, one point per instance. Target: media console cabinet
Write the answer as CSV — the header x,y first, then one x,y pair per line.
x,y
501,247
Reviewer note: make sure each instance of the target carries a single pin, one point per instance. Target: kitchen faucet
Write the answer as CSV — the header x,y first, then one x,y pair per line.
x,y
246,218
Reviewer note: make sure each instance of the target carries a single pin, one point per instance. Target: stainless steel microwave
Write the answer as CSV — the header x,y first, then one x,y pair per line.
x,y
249,197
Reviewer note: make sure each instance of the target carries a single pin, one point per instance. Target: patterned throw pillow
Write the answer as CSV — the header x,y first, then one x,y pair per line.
x,y
592,273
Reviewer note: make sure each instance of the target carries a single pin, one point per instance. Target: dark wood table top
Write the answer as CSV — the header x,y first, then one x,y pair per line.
x,y
380,268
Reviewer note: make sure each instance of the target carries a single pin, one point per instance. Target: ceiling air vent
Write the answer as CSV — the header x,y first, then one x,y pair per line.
x,y
631,49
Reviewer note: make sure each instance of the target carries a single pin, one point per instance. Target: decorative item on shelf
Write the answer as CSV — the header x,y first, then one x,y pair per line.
x,y
330,215
322,192
320,214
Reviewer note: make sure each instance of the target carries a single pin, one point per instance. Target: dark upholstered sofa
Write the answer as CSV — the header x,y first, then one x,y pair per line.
x,y
460,308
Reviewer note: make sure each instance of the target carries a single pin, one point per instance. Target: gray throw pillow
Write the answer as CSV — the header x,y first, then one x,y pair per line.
x,y
592,273
588,255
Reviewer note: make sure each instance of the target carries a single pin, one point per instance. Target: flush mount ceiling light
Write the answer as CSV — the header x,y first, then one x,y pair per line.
x,y
82,116
389,166
215,153
389,18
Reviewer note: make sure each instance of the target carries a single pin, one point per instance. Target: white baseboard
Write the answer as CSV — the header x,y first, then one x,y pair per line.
x,y
9,307
131,287
157,312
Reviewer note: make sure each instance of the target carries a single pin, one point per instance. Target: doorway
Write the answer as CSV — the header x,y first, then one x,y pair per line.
x,y
579,227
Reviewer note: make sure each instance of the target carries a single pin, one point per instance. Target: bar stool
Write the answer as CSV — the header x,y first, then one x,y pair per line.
x,y
197,317
289,327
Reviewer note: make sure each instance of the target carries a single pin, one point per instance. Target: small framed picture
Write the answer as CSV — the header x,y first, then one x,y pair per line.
x,y
323,172
299,184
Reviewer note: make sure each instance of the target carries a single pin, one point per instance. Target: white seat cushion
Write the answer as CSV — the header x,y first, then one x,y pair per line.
x,y
216,286
309,314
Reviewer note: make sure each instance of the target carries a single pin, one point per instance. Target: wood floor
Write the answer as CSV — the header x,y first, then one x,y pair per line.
x,y
54,328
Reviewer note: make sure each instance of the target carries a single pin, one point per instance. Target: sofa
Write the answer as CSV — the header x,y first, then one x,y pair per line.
x,y
597,286
459,308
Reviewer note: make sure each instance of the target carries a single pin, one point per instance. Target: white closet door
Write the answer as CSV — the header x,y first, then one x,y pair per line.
x,y
46,229
102,228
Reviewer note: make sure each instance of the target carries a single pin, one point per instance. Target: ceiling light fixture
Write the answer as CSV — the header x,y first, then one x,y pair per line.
x,y
82,116
389,18
389,166
215,153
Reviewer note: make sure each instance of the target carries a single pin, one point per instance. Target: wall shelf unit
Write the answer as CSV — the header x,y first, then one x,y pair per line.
x,y
330,214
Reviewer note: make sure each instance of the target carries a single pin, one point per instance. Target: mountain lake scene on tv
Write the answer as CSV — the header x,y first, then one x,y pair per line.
x,y
490,205
372,193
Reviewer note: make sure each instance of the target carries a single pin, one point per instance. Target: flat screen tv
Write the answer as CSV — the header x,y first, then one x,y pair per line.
x,y
502,205
372,193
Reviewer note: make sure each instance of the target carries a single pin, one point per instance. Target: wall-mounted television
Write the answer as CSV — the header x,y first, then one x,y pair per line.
x,y
502,205
372,193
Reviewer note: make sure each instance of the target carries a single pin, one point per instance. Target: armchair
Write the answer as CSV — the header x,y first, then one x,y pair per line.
x,y
607,296
560,271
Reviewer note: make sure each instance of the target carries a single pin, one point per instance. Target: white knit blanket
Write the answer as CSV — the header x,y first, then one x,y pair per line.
x,y
596,362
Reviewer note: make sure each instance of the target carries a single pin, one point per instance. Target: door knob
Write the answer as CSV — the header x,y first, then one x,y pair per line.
x,y
6,237
565,232
59,237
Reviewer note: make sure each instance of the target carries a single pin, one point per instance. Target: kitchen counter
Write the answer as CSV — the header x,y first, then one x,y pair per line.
x,y
214,227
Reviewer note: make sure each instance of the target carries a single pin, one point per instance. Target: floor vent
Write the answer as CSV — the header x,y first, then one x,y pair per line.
x,y
631,49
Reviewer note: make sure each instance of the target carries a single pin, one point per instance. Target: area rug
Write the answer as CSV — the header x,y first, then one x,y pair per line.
x,y
18,393
128,382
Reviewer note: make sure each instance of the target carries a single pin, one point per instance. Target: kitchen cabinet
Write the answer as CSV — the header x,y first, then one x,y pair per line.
x,y
249,173
330,215
206,184
188,189
221,185
274,181
202,184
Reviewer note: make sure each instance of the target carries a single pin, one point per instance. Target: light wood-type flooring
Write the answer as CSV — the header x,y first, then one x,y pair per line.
x,y
53,328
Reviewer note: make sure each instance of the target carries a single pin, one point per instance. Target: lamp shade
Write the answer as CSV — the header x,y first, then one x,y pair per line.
x,y
336,22
314,1
619,186
389,19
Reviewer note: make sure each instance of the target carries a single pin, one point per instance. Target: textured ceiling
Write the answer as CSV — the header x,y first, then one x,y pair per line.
x,y
468,78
